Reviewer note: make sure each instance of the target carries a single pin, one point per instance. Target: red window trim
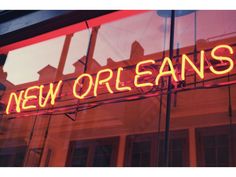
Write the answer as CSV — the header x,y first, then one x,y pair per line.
x,y
71,29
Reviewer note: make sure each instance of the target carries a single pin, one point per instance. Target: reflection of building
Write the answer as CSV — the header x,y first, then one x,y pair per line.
x,y
127,132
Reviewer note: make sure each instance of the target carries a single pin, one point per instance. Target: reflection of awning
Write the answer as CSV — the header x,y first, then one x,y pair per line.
x,y
16,27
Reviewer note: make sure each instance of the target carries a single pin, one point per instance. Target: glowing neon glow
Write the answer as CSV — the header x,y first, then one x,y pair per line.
x,y
142,73
17,101
51,94
222,58
24,100
200,71
88,89
162,73
124,88
29,97
99,81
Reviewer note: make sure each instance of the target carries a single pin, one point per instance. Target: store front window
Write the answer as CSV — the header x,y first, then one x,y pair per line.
x,y
98,96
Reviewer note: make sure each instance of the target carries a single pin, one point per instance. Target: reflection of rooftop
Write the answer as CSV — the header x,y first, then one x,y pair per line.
x,y
3,80
47,73
79,64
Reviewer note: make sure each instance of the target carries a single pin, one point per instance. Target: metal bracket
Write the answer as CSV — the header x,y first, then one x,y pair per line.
x,y
69,116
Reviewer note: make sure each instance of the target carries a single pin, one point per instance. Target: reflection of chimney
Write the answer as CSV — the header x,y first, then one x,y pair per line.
x,y
137,50
3,75
79,65
201,44
110,62
47,73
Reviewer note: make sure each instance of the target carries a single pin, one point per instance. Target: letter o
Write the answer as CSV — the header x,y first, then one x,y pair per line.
x,y
88,89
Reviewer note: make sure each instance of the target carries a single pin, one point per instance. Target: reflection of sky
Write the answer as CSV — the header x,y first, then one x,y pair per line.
x,y
209,23
117,37
114,40
23,64
78,48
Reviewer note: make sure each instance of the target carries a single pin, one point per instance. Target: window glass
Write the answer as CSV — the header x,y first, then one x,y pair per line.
x,y
103,154
24,65
78,48
79,120
93,153
12,156
141,154
146,32
80,157
216,146
148,150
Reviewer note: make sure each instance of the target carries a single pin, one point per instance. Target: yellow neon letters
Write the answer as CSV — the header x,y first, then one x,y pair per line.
x,y
171,70
124,88
24,97
99,81
200,71
142,73
17,100
220,58
27,99
51,94
88,89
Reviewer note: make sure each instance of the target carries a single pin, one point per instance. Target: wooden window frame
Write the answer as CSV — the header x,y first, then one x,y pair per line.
x,y
155,138
216,130
12,151
91,144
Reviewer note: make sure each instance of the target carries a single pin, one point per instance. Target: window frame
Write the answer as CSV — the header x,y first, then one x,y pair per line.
x,y
155,138
91,144
13,152
229,130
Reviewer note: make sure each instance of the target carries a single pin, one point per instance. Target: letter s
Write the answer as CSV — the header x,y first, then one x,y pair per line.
x,y
222,58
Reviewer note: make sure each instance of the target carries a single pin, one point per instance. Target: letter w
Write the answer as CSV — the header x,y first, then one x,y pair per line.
x,y
51,94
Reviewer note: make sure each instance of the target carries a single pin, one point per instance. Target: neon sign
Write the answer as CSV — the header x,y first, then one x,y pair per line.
x,y
23,100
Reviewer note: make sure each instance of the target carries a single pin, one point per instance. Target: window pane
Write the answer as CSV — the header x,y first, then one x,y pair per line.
x,y
96,152
209,141
78,49
176,153
210,157
109,111
12,156
216,149
223,156
103,155
141,154
145,33
79,157
5,160
177,159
